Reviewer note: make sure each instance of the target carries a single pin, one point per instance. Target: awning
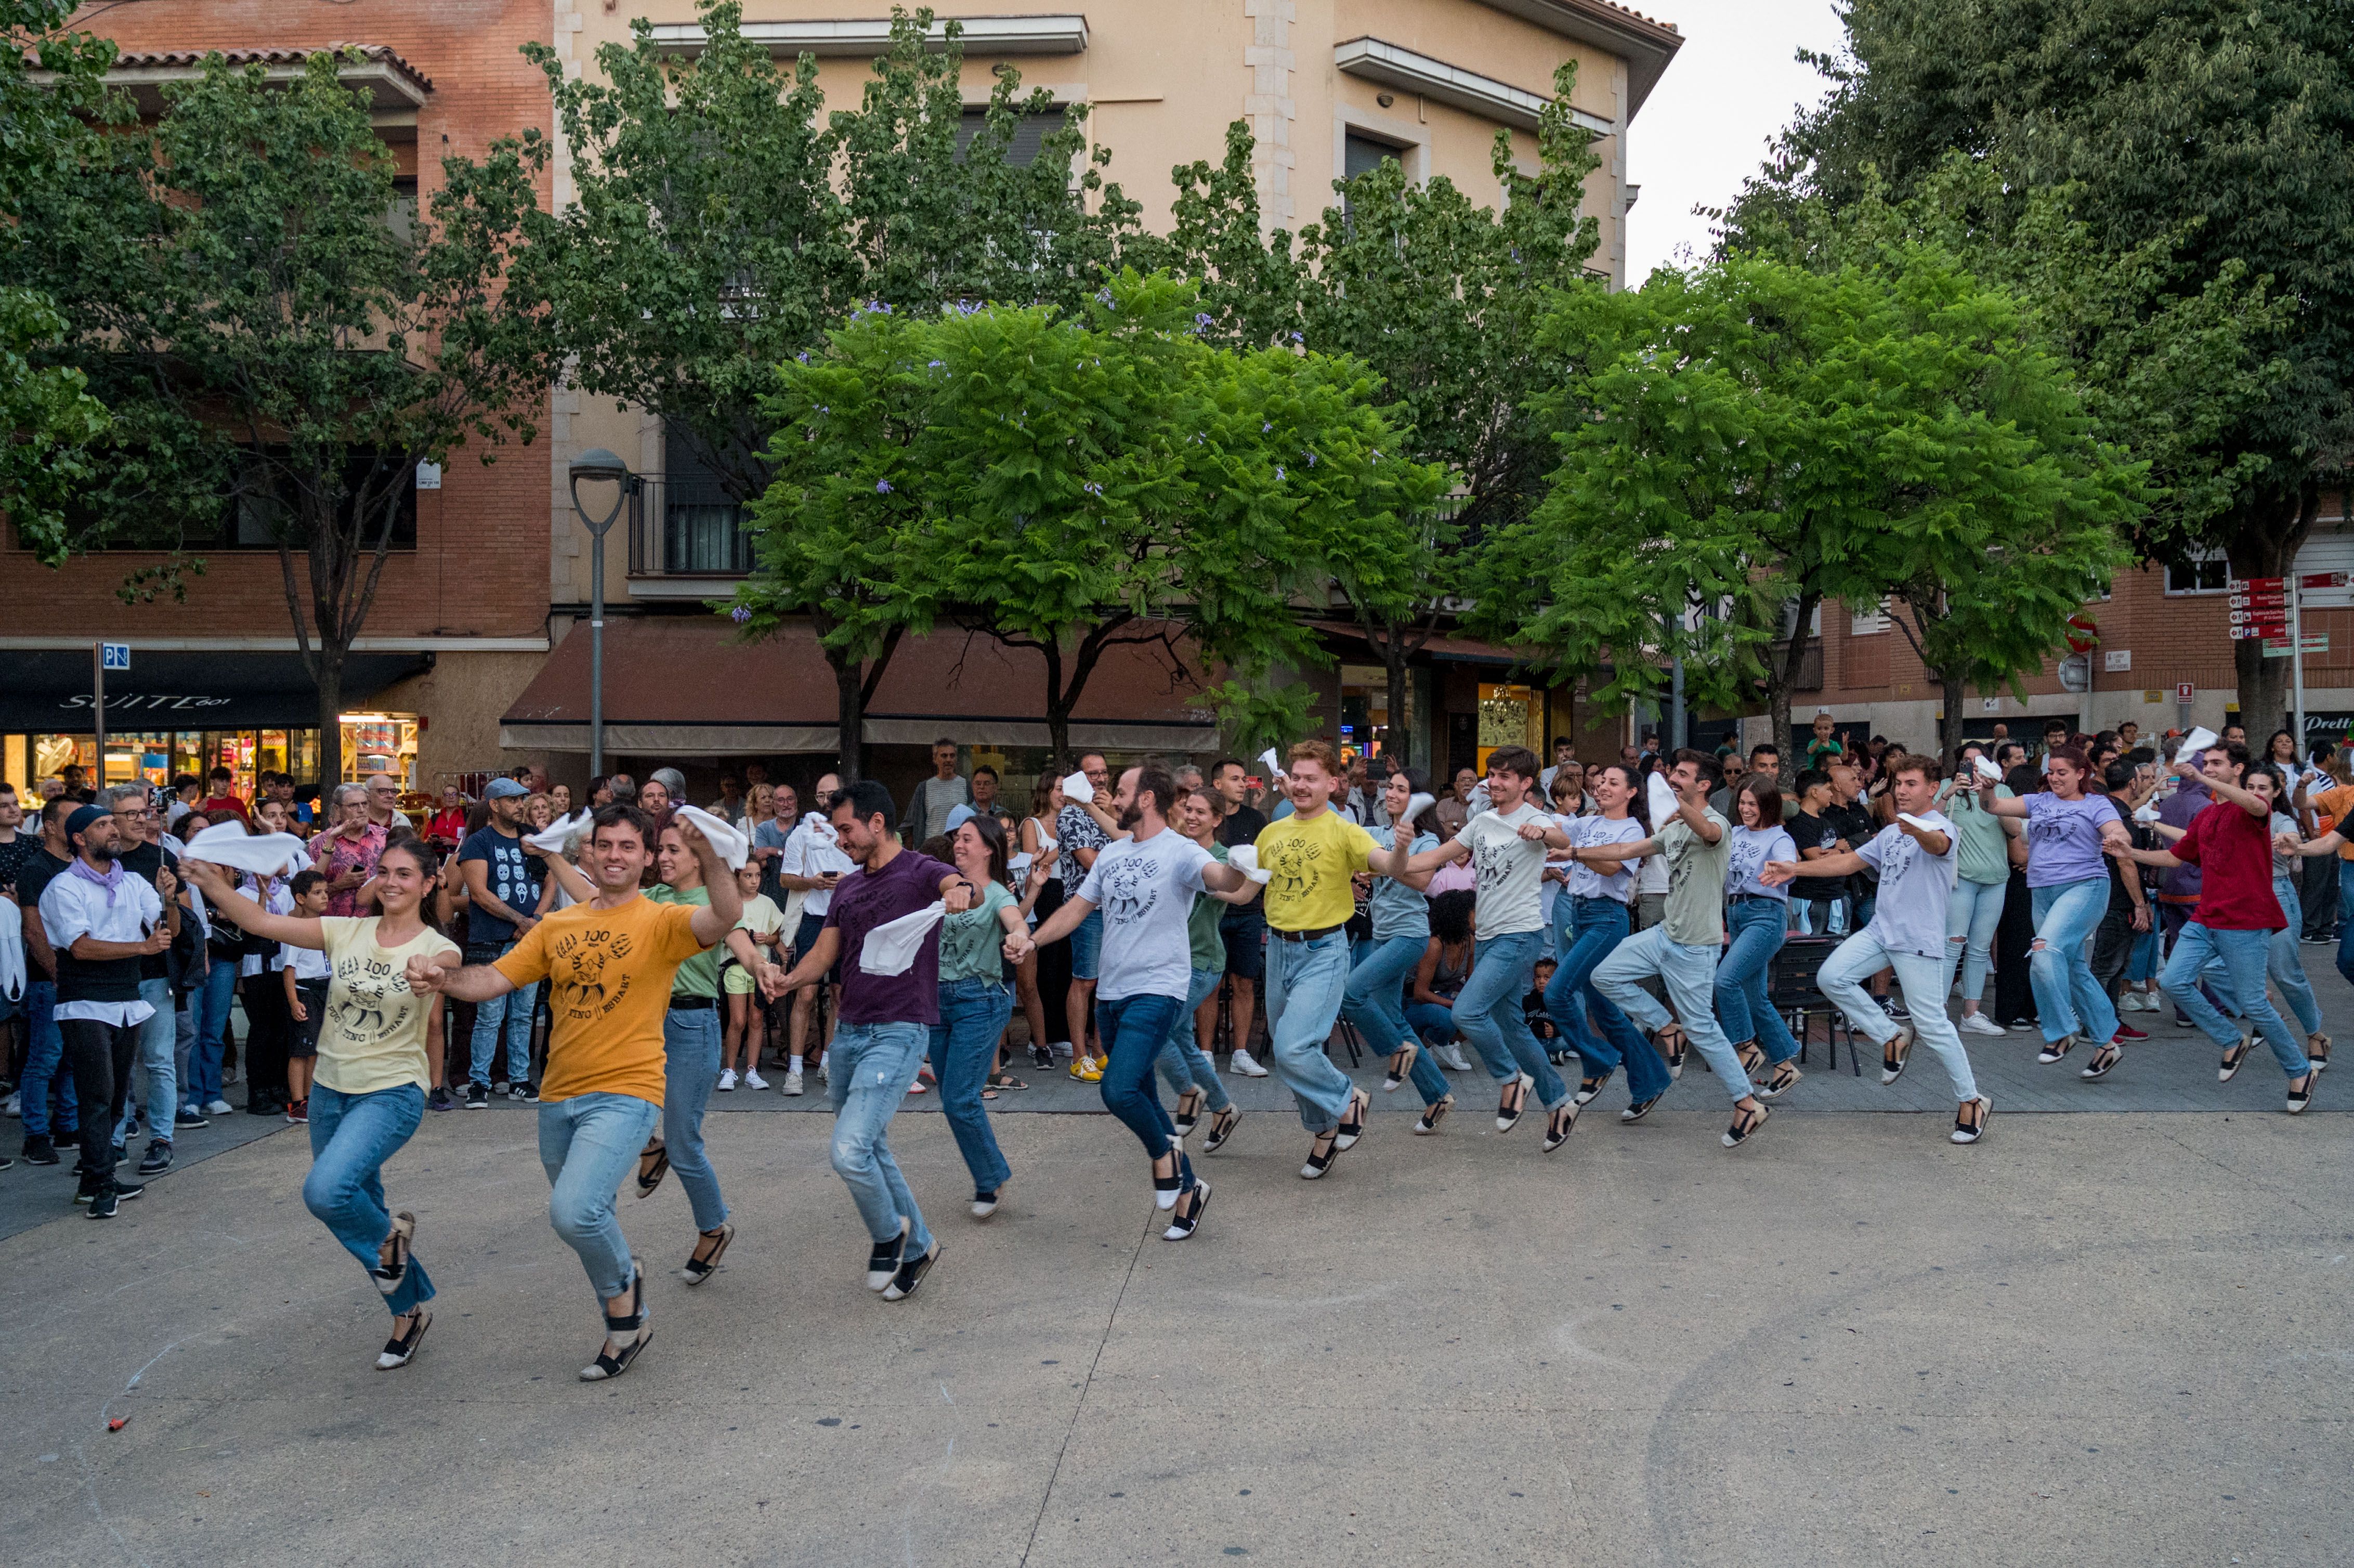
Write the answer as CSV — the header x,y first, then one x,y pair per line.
x,y
1438,648
49,690
682,686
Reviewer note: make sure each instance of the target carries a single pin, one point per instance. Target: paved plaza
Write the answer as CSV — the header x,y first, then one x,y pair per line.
x,y
2121,1336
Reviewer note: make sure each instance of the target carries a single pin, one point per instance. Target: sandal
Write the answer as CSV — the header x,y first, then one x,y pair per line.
x,y
1968,1132
2055,1049
1189,1112
624,1336
1353,1119
1401,1064
2104,1059
654,1164
1166,1188
1002,1079
1745,1126
2300,1090
1320,1155
1187,1219
701,1266
1641,1109
1514,1100
1785,1078
1589,1087
1432,1113
392,1257
1222,1128
1753,1057
2233,1058
2316,1052
1675,1054
1895,1054
401,1348
1560,1124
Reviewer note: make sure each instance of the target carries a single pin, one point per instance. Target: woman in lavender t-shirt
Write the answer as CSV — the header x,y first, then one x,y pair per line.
x,y
2069,881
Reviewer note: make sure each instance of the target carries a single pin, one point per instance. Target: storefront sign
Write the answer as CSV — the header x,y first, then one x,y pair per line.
x,y
49,690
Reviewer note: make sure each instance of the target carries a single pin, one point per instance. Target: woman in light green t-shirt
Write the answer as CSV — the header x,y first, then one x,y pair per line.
x,y
1981,878
976,1003
369,1095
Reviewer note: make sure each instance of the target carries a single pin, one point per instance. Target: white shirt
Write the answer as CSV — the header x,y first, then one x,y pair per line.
x,y
72,907
1910,917
813,849
1593,832
1145,888
1509,868
308,963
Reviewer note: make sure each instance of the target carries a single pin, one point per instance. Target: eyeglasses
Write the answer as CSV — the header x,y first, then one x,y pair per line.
x,y
133,814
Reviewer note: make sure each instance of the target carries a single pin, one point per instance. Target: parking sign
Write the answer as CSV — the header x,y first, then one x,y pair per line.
x,y
114,655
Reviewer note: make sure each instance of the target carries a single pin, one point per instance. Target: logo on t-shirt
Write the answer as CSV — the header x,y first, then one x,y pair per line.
x,y
371,999
1128,890
586,978
1292,862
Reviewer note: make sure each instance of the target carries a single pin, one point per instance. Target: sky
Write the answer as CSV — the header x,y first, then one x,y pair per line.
x,y
1706,125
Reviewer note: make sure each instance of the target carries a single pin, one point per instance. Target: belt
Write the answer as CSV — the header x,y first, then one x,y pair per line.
x,y
1308,935
1753,898
693,1004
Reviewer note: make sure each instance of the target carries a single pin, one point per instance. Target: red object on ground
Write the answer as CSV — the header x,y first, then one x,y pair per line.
x,y
118,1424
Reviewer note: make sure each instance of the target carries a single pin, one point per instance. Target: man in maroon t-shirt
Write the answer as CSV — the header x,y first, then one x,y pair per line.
x,y
2230,844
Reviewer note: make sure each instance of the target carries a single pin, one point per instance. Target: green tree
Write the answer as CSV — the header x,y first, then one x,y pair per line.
x,y
1741,443
280,345
2198,156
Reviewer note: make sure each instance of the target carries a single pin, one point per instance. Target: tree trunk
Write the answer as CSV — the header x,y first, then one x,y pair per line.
x,y
1781,682
1401,732
331,722
1957,690
849,714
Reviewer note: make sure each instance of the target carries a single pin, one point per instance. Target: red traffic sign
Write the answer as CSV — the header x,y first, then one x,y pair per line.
x,y
2324,580
2184,691
2083,633
2273,597
2276,584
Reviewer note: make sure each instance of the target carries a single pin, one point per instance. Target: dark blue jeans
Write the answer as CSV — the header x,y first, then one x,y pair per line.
x,y
44,1065
1758,927
1376,1003
1133,1030
964,1048
1596,927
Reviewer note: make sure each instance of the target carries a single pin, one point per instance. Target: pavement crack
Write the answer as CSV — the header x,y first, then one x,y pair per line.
x,y
2291,1197
1087,1384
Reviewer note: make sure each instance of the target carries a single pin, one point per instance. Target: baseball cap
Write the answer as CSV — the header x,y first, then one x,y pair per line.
x,y
504,790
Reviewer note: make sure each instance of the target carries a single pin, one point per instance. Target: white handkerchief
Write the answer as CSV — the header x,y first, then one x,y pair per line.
x,y
1416,806
1078,789
1662,798
1245,859
1273,767
892,946
12,958
1986,769
2146,815
1922,823
2199,739
733,846
556,837
263,854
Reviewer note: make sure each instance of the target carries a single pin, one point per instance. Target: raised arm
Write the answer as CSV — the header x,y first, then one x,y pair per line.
x,y
713,921
246,914
562,873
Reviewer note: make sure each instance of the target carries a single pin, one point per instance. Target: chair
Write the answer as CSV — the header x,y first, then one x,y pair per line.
x,y
1792,989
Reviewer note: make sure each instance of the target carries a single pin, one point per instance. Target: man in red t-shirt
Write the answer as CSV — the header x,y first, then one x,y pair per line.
x,y
2230,844
224,799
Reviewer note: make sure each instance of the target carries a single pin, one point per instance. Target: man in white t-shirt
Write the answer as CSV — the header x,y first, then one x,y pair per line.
x,y
810,865
1145,885
1510,925
1916,858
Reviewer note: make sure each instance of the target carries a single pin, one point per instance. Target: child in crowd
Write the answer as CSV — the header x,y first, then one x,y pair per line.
x,y
304,975
1540,1023
739,1053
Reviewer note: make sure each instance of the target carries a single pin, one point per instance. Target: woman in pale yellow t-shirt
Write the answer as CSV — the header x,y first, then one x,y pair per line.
x,y
369,1094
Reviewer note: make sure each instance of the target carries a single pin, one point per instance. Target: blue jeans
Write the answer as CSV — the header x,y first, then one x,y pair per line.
x,y
1488,1010
1183,1064
1689,972
1133,1030
2345,925
690,1067
351,1138
2283,964
208,1010
2149,946
1305,983
1435,1023
158,1050
1597,927
514,1010
973,1014
2243,954
1859,959
586,1144
1973,911
44,1056
2068,1000
1758,927
1086,946
1374,1002
872,1065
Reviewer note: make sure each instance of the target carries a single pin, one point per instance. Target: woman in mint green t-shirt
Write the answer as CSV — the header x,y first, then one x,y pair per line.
x,y
975,1001
1981,878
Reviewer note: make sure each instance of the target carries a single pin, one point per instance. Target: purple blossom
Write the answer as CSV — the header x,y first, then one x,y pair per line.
x,y
881,487
937,363
1298,337
802,358
1204,319
739,615
1278,471
1266,427
1092,489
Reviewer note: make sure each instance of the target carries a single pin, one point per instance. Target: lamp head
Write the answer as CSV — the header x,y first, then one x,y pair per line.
x,y
598,466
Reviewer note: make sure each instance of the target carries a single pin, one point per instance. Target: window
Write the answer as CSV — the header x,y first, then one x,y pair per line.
x,y
1867,622
1362,155
1030,132
2202,571
704,530
401,216
249,521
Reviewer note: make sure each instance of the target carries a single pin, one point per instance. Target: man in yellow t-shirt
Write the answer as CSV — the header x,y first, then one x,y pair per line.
x,y
1309,858
610,959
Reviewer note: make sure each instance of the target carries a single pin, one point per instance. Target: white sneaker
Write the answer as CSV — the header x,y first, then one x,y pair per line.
x,y
217,1107
1979,1023
1246,1066
1452,1055
15,1108
792,1082
727,1080
752,1080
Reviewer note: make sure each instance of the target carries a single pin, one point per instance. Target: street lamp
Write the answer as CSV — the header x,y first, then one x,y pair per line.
x,y
600,467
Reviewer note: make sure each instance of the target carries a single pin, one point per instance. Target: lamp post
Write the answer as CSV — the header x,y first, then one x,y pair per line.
x,y
598,466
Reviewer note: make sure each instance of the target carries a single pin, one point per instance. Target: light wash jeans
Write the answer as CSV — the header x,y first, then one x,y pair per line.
x,y
872,1065
1374,1004
2068,1000
1133,1029
1859,959
587,1145
1759,927
1183,1063
1305,983
512,1012
1973,911
973,1014
351,1138
2285,966
1489,1013
208,1016
158,1047
1596,927
1689,972
690,1069
45,1058
2244,956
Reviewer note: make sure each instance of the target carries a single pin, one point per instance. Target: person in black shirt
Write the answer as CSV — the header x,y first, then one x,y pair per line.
x,y
1816,835
45,1045
1243,926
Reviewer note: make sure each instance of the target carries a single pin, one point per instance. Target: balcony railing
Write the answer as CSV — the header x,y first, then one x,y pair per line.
x,y
687,528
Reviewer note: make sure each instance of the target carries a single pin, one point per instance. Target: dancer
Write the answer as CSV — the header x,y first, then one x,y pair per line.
x,y
1757,916
1312,858
2067,830
2230,844
368,1091
1183,1062
976,1003
1142,884
1982,877
887,1015
101,920
1914,856
1591,919
1697,845
1506,843
1374,1002
613,956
